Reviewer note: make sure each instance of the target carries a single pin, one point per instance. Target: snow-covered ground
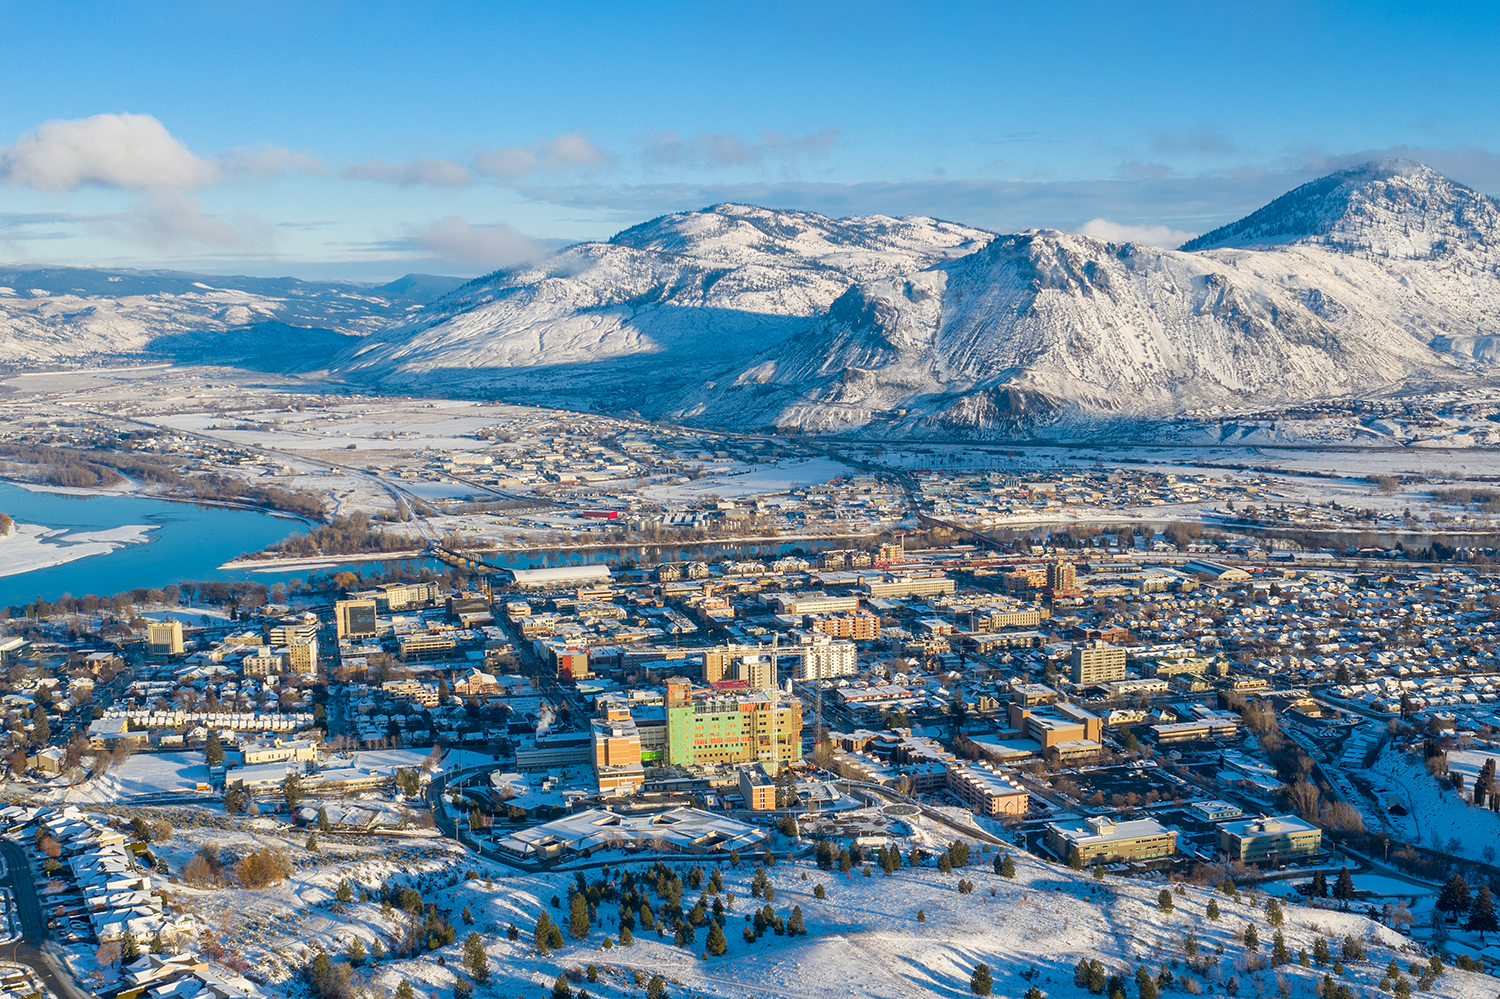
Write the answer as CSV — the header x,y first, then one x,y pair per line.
x,y
748,480
865,938
1437,816
33,546
141,775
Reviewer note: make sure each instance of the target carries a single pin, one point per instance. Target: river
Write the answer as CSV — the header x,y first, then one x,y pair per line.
x,y
188,541
185,541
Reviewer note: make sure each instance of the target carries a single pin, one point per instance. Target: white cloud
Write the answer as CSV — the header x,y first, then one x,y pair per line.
x,y
132,151
729,149
494,245
164,218
270,161
1150,235
564,152
420,171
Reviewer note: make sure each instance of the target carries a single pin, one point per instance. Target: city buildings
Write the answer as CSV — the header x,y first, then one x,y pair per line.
x,y
1270,839
710,726
757,788
987,790
1096,662
355,618
1085,842
164,638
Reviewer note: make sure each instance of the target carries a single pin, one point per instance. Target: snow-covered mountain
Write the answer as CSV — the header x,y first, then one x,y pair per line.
x,y
62,315
678,298
1375,280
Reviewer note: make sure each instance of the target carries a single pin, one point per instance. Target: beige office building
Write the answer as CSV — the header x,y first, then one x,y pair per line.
x,y
164,638
1097,662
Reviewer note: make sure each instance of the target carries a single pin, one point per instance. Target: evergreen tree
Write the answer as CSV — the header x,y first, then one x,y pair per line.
x,y
626,937
1482,914
1279,954
1274,915
1007,867
405,991
656,988
1145,985
356,953
1343,889
1321,955
1164,901
716,945
291,791
794,925
560,988
130,949
1454,896
213,750
344,894
1213,909
1251,938
312,843
578,917
543,935
476,961
1319,885
980,982
1035,993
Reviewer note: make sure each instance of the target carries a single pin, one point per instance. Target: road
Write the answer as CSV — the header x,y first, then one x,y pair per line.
x,y
32,949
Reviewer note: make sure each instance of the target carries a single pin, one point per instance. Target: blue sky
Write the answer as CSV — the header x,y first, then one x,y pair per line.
x,y
365,140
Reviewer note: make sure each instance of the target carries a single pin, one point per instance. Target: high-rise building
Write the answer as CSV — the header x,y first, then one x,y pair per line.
x,y
355,618
302,657
617,750
710,726
164,638
820,657
1097,662
1062,577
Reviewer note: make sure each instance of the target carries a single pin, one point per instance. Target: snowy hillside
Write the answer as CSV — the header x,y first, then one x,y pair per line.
x,y
1372,282
72,314
700,287
1369,282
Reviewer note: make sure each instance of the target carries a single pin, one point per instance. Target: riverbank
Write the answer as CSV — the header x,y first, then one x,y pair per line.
x,y
253,563
134,490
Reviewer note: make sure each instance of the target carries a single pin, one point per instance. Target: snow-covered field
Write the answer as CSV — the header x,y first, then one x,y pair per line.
x,y
141,775
748,480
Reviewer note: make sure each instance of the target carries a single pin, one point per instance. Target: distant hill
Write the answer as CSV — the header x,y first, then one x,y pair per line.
x,y
1373,281
1370,281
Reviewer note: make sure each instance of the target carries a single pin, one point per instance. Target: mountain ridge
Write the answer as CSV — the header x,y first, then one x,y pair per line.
x,y
1366,282
1373,281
